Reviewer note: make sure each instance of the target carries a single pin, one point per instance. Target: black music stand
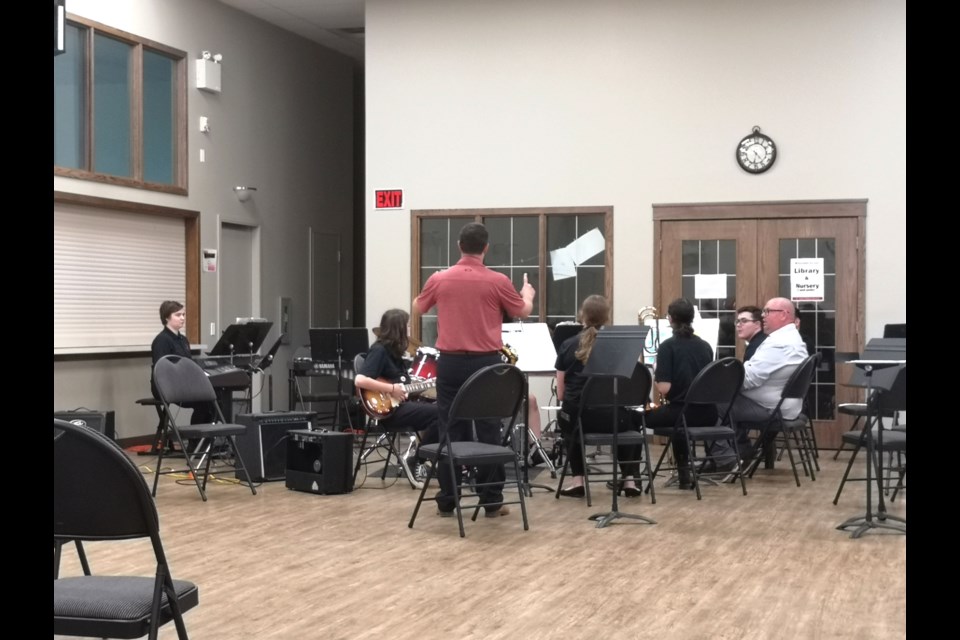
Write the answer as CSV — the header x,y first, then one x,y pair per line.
x,y
615,354
880,353
563,331
242,339
337,344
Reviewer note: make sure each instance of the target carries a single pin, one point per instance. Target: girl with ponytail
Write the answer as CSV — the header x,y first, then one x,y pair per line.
x,y
571,358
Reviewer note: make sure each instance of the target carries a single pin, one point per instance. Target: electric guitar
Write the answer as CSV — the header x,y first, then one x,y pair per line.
x,y
379,405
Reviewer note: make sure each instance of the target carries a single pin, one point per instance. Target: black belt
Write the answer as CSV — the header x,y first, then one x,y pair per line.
x,y
469,353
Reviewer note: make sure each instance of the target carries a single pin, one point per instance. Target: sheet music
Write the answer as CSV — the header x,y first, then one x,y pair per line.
x,y
532,342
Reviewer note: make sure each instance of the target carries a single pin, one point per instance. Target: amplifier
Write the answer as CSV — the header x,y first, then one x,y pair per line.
x,y
320,461
262,448
102,421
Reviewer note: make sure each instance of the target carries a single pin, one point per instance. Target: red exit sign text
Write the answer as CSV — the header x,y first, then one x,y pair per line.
x,y
388,199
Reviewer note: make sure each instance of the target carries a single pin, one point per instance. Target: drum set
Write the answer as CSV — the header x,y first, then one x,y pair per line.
x,y
424,367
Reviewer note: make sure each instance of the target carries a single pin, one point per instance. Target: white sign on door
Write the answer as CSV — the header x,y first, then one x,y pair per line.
x,y
806,279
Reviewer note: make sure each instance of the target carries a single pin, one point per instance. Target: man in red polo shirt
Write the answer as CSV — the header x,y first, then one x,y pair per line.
x,y
471,301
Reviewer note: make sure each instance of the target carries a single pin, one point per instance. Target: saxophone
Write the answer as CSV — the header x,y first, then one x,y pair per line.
x,y
509,354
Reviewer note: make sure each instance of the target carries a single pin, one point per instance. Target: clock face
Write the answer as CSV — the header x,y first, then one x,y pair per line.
x,y
756,153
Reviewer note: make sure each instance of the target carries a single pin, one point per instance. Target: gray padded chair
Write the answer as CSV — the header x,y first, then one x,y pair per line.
x,y
492,393
181,381
99,494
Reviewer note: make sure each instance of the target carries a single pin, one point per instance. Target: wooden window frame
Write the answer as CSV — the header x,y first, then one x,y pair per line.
x,y
138,43
477,215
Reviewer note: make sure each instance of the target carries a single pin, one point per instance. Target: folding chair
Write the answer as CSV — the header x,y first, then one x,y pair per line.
x,y
181,381
99,494
492,393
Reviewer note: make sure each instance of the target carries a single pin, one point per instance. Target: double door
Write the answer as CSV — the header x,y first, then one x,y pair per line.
x,y
750,247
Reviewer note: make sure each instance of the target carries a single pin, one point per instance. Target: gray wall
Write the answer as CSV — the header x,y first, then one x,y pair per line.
x,y
284,123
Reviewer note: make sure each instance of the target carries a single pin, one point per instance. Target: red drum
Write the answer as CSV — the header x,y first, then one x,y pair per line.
x,y
424,364
424,367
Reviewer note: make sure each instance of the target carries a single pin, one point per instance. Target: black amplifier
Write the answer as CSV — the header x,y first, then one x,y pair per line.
x,y
102,421
262,447
320,461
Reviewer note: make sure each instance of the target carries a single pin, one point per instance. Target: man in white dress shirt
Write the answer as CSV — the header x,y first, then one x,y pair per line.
x,y
766,374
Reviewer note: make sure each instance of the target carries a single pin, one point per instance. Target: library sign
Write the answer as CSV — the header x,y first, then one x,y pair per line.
x,y
806,279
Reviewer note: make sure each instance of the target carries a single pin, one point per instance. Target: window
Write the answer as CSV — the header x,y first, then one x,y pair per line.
x,y
520,243
119,109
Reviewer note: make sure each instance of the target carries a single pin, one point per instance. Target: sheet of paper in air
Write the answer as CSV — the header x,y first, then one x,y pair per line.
x,y
713,285
533,345
586,246
565,260
562,263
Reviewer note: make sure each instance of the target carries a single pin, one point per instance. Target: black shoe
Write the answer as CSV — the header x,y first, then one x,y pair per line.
x,y
574,492
684,482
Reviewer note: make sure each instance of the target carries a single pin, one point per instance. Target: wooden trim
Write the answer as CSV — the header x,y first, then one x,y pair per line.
x,y
136,114
125,35
65,197
761,210
181,154
519,211
862,283
191,243
81,174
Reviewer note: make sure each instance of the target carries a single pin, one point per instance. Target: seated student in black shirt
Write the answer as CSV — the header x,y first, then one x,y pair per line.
x,y
679,359
750,329
170,341
384,372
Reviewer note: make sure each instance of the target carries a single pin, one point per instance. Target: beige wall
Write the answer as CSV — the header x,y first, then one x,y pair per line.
x,y
629,103
283,123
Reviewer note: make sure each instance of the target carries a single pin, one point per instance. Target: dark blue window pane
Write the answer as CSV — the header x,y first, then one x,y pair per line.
x,y
69,106
159,115
111,117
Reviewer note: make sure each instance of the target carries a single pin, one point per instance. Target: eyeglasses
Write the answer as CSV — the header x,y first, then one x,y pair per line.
x,y
744,320
767,312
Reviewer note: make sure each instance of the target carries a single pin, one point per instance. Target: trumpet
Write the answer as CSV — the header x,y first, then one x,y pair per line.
x,y
648,316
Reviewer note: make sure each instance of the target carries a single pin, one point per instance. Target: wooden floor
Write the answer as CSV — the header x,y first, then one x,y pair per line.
x,y
291,565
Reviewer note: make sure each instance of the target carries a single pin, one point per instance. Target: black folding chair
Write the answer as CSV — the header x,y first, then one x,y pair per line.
x,y
778,427
99,494
181,381
492,393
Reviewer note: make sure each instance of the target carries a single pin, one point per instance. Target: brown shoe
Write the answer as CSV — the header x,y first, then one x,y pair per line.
x,y
502,511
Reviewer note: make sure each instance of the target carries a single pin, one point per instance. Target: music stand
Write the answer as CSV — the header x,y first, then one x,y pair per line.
x,y
615,354
337,344
880,353
243,339
563,331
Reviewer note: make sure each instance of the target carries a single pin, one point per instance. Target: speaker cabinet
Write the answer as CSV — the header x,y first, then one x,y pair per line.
x,y
320,461
262,448
102,421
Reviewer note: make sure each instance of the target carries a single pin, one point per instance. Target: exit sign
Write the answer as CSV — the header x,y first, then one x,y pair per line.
x,y
388,199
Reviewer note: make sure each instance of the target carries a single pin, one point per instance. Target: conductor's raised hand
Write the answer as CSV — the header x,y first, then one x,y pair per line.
x,y
527,290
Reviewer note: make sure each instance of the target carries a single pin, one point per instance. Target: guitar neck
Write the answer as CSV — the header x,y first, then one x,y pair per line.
x,y
416,387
